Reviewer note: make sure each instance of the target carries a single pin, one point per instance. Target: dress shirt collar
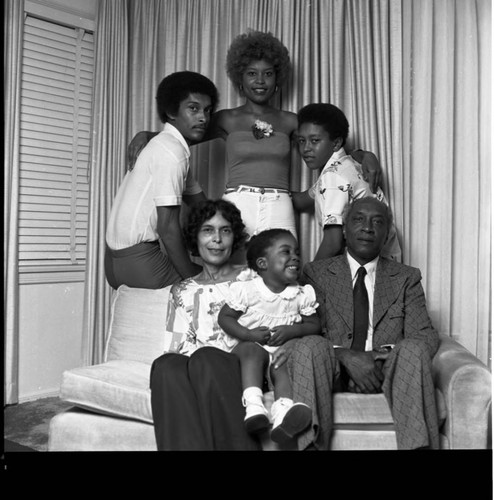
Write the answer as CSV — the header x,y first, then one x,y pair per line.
x,y
370,267
172,130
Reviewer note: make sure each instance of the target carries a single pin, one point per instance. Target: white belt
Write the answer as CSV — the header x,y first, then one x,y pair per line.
x,y
250,189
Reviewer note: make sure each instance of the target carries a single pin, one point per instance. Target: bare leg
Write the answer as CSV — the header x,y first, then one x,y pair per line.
x,y
253,362
281,382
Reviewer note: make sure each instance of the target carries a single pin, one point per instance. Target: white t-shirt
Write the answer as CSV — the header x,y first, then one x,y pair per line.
x,y
160,177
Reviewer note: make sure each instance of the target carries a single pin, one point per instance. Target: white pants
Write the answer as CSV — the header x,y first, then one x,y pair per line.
x,y
261,211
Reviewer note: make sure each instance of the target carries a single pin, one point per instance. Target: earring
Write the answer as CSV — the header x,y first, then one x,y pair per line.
x,y
240,87
276,88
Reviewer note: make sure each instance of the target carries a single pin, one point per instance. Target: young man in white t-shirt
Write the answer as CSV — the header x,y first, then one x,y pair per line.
x,y
321,137
146,209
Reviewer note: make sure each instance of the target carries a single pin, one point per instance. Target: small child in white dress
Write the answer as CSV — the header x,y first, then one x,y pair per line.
x,y
263,314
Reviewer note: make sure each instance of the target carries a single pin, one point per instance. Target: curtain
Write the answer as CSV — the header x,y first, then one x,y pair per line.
x,y
14,25
412,78
108,160
447,162
349,54
360,38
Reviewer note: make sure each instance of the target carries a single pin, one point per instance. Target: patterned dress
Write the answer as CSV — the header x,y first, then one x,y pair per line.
x,y
193,314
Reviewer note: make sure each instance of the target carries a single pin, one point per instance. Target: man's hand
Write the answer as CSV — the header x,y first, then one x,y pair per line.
x,y
365,374
281,355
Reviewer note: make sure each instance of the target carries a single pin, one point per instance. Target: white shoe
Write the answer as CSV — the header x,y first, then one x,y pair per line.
x,y
256,417
289,419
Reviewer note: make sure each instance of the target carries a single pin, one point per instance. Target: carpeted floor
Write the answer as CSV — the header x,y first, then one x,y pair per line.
x,y
26,424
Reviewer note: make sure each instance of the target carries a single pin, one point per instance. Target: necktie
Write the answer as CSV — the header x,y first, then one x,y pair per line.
x,y
360,311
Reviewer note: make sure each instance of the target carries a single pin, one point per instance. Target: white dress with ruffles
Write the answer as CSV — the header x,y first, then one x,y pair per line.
x,y
262,307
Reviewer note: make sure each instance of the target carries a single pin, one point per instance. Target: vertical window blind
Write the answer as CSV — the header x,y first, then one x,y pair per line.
x,y
55,142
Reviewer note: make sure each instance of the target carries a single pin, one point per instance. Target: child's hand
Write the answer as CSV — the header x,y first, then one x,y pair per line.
x,y
261,334
280,334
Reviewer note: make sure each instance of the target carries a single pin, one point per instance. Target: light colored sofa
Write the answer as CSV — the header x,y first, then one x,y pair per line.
x,y
112,409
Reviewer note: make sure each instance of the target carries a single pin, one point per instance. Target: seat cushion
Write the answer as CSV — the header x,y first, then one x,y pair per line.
x,y
137,325
370,409
80,430
350,408
119,388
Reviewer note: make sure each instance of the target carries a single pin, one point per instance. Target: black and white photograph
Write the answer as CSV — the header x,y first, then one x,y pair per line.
x,y
248,225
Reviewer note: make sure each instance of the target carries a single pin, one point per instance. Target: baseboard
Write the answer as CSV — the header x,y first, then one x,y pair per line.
x,y
39,395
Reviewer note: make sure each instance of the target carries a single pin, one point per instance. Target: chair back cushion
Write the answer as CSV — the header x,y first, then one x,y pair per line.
x,y
137,325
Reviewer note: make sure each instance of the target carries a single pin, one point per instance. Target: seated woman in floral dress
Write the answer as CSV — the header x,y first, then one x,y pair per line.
x,y
196,391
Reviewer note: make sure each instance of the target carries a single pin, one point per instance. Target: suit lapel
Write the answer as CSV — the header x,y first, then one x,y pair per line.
x,y
340,293
386,289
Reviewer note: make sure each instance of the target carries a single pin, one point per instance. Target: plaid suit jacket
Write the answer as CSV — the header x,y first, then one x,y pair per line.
x,y
399,302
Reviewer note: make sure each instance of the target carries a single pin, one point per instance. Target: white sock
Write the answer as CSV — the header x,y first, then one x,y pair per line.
x,y
287,401
252,395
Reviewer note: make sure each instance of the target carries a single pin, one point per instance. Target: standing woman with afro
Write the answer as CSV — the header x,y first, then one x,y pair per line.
x,y
258,135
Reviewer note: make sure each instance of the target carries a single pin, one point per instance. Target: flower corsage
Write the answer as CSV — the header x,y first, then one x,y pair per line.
x,y
262,129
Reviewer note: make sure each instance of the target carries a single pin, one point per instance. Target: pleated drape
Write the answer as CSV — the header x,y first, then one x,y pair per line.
x,y
447,162
347,53
413,78
108,164
14,27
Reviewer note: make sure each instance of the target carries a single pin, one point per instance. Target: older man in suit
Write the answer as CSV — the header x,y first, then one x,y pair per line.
x,y
373,311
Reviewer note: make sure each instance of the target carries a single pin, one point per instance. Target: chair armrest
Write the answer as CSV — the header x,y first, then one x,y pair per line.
x,y
465,383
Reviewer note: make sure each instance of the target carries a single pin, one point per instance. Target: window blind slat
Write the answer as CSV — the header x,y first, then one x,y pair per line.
x,y
50,86
55,143
41,226
36,113
30,215
55,154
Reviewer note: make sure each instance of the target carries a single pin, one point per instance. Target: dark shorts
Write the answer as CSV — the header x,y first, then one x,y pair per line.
x,y
140,266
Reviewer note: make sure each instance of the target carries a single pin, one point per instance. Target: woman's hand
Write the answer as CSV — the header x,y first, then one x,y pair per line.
x,y
281,355
136,145
372,170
